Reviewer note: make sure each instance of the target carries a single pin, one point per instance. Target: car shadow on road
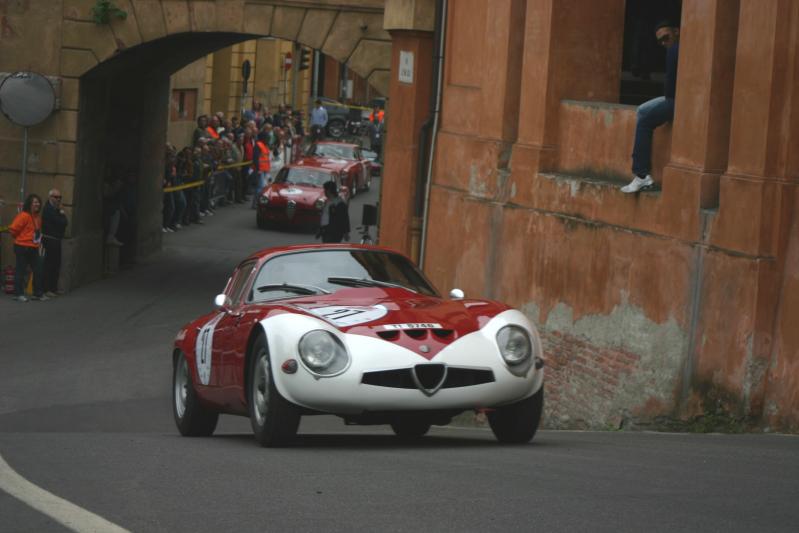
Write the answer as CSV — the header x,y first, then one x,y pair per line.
x,y
373,441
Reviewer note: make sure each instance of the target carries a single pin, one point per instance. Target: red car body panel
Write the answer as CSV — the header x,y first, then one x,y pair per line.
x,y
234,330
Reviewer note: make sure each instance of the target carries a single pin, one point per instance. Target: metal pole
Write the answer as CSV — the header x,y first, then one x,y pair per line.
x,y
315,88
440,60
294,70
24,165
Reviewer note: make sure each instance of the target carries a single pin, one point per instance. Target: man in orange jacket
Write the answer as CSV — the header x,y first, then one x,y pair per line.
x,y
27,232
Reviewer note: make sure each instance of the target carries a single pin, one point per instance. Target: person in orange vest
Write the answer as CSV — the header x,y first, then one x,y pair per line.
x,y
27,232
261,165
376,112
213,128
376,131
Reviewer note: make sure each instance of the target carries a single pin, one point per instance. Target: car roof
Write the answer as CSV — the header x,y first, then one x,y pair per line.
x,y
339,143
322,163
316,163
268,253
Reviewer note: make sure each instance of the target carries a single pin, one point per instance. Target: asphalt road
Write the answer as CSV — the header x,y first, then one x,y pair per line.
x,y
85,415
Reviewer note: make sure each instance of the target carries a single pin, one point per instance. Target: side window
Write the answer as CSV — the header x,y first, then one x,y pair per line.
x,y
239,283
282,175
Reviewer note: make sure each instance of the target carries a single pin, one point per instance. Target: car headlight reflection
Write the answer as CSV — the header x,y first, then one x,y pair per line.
x,y
264,199
514,345
323,353
320,203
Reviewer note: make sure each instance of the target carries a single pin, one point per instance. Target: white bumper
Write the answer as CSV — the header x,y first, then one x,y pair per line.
x,y
346,394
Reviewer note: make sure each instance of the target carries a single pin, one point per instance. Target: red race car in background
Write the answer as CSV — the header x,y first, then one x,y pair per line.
x,y
297,196
356,169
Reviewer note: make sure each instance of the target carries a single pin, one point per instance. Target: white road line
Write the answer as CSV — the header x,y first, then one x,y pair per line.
x,y
65,513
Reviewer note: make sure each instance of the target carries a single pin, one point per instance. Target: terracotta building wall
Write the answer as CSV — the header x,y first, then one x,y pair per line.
x,y
665,305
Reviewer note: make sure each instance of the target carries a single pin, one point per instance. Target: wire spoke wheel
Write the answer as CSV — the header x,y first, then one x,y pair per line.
x,y
191,418
274,419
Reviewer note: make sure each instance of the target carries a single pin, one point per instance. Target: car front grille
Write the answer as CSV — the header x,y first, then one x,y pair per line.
x,y
403,378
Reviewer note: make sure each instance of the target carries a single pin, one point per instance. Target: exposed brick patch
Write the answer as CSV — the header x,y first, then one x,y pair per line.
x,y
582,381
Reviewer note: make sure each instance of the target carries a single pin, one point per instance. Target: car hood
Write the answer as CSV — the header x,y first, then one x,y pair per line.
x,y
400,316
280,193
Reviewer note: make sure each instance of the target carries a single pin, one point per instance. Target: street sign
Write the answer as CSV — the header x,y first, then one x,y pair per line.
x,y
287,61
406,67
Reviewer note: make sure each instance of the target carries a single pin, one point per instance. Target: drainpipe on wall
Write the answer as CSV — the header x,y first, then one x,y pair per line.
x,y
438,60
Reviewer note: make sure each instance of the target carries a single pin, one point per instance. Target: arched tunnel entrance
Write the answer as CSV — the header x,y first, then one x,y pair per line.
x,y
122,132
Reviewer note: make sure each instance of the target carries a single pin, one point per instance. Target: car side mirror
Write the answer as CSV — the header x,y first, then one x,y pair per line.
x,y
456,294
222,301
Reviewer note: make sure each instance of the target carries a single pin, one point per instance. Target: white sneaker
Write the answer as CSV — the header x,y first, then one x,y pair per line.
x,y
638,184
113,241
21,298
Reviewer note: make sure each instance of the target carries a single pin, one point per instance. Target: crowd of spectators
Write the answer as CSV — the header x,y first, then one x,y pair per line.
x,y
222,164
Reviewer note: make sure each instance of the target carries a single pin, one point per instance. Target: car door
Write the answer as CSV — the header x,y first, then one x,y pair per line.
x,y
224,340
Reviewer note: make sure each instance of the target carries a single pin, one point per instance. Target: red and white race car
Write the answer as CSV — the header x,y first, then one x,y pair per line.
x,y
359,332
356,170
297,197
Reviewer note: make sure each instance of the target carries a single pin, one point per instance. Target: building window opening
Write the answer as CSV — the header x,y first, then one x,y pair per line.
x,y
644,59
183,105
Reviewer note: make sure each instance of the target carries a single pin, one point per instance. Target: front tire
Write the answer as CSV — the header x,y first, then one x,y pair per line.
x,y
274,420
191,418
336,128
517,423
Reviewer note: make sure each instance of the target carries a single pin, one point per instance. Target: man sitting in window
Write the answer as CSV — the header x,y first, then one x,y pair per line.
x,y
655,112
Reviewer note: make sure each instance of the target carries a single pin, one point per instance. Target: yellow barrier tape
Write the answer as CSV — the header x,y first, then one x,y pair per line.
x,y
200,183
184,186
234,165
337,104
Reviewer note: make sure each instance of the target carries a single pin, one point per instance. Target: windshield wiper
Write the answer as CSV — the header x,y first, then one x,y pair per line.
x,y
363,282
289,287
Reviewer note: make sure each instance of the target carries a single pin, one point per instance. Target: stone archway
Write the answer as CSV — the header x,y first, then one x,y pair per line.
x,y
121,73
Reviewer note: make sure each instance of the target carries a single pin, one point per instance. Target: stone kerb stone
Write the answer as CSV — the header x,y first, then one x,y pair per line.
x,y
89,36
369,56
176,17
316,27
151,19
287,22
348,31
258,19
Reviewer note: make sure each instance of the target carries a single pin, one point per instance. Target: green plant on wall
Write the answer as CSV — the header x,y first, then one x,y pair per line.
x,y
104,10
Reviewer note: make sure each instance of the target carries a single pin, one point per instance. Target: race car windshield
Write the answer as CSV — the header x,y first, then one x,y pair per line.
x,y
334,270
333,150
296,289
303,176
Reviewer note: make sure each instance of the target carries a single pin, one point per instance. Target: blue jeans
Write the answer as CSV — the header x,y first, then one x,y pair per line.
x,y
262,180
649,116
27,256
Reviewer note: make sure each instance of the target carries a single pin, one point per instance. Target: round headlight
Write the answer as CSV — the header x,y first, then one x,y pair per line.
x,y
514,345
323,353
263,199
320,203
